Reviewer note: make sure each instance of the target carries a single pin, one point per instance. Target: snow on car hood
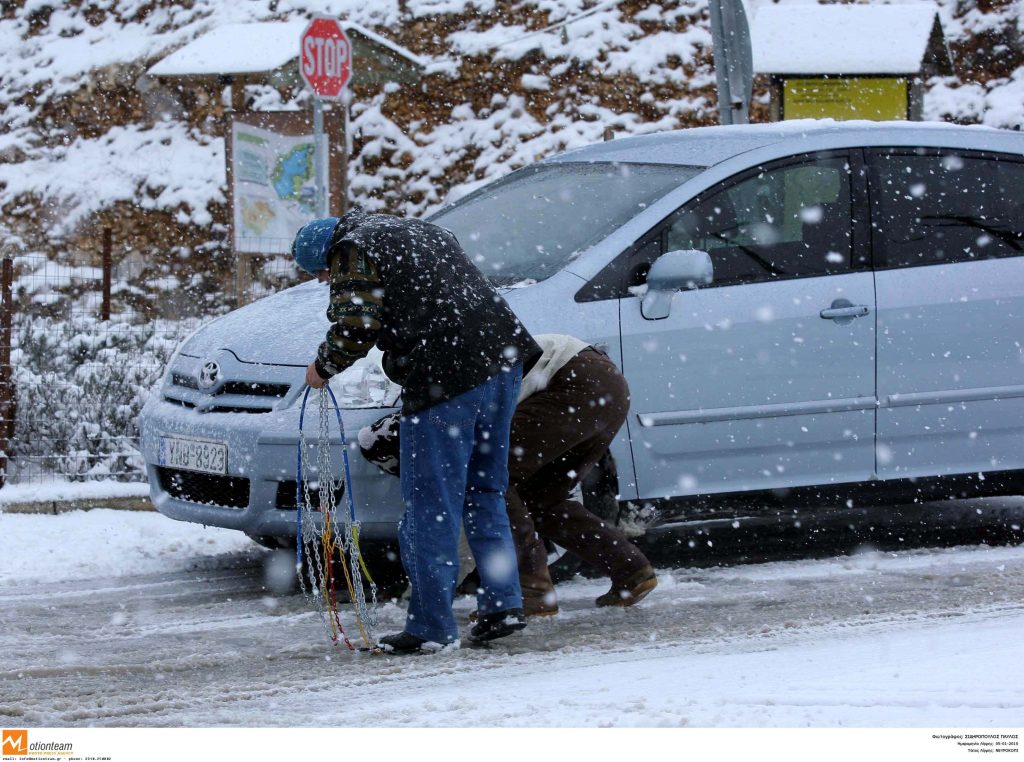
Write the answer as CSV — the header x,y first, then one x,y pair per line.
x,y
283,329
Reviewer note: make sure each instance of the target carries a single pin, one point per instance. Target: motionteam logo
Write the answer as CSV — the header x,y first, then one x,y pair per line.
x,y
15,743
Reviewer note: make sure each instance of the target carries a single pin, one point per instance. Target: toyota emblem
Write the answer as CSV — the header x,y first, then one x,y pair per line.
x,y
208,375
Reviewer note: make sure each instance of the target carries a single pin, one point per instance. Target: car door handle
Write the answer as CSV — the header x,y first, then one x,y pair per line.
x,y
844,310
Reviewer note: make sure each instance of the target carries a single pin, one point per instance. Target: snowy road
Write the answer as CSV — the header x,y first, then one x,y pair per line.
x,y
92,635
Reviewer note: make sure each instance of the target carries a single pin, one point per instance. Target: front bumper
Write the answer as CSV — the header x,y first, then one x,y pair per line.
x,y
261,468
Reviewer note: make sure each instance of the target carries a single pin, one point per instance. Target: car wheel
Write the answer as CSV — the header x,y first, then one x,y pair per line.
x,y
385,566
274,543
381,559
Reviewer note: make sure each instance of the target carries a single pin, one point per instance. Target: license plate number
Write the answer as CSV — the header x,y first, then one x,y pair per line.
x,y
194,455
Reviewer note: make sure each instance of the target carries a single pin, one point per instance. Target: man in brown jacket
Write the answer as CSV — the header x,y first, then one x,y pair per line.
x,y
572,402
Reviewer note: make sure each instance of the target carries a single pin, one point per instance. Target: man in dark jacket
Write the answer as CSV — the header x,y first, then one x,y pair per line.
x,y
457,349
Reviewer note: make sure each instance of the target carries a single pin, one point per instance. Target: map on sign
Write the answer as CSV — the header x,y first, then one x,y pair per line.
x,y
274,187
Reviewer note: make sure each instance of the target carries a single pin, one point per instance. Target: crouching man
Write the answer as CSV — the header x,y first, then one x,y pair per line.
x,y
457,349
572,402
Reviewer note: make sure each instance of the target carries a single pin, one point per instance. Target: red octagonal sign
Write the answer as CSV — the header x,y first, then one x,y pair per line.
x,y
325,60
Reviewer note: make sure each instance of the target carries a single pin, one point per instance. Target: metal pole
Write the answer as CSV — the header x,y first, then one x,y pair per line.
x,y
346,147
6,385
721,56
319,156
108,245
734,64
242,269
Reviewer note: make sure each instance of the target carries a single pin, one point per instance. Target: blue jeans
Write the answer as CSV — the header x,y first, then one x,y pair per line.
x,y
454,464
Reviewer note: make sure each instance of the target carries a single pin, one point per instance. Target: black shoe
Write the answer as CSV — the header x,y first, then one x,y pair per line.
x,y
497,625
404,643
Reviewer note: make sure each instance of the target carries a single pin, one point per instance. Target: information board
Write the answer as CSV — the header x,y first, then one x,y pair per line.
x,y
274,187
844,98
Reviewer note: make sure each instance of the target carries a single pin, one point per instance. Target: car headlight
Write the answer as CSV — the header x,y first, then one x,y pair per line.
x,y
365,384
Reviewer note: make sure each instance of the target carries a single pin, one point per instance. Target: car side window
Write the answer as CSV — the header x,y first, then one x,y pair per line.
x,y
781,222
945,207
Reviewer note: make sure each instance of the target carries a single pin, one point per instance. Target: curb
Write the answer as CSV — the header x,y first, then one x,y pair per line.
x,y
55,507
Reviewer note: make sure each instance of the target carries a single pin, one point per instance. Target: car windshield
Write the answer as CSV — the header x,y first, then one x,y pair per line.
x,y
528,225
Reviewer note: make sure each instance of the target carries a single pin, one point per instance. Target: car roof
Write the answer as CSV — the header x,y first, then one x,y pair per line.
x,y
707,146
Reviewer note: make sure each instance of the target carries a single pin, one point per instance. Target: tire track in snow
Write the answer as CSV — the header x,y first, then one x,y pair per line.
x,y
191,650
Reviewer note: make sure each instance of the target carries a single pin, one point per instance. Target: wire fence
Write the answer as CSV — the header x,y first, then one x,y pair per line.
x,y
82,344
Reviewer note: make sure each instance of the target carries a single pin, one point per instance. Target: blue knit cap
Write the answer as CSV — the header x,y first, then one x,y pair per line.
x,y
310,245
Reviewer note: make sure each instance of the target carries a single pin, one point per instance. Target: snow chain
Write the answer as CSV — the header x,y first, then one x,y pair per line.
x,y
327,537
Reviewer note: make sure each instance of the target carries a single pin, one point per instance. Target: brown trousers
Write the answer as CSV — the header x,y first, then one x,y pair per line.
x,y
558,435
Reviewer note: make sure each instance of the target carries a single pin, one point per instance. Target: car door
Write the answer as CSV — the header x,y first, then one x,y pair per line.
x,y
766,378
948,236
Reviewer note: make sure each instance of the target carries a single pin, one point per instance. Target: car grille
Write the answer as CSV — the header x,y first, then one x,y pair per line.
x,y
253,389
180,379
286,496
206,489
234,409
259,397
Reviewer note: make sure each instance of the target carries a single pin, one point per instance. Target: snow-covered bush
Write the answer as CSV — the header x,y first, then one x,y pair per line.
x,y
80,383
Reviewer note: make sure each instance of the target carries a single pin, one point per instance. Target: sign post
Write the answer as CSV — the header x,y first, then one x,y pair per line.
x,y
734,61
325,63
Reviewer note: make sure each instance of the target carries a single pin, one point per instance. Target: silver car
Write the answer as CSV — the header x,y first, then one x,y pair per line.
x,y
806,312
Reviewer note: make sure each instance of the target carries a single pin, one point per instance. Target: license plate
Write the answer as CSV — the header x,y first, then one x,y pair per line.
x,y
194,455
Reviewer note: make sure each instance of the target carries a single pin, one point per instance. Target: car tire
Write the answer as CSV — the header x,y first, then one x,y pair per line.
x,y
274,543
381,559
386,568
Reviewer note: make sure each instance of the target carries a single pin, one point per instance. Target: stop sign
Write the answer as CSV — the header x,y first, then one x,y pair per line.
x,y
325,60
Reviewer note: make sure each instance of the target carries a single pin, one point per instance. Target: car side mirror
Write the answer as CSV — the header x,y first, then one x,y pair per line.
x,y
671,272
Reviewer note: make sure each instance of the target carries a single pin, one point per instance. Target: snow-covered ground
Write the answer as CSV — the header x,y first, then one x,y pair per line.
x,y
130,619
104,543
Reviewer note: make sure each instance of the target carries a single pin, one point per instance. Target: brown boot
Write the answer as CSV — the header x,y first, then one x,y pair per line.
x,y
631,590
536,603
539,597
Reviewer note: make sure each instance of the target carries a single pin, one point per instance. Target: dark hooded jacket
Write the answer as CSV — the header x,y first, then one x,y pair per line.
x,y
408,287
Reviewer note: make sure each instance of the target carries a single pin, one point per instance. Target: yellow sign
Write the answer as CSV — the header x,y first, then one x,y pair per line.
x,y
845,98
